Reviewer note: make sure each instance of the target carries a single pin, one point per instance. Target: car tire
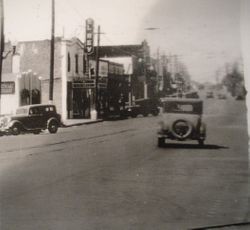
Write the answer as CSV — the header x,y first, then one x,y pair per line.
x,y
133,115
177,134
155,113
36,132
201,142
16,129
161,142
53,126
145,114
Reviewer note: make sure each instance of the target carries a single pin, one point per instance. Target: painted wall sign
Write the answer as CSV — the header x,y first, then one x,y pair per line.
x,y
8,87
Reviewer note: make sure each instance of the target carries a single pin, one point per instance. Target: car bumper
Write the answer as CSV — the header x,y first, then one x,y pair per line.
x,y
167,134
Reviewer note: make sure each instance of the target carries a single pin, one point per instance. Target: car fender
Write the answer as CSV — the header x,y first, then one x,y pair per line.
x,y
53,119
15,122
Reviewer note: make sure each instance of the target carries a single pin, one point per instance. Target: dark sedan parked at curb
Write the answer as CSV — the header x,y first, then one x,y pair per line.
x,y
31,118
144,107
182,120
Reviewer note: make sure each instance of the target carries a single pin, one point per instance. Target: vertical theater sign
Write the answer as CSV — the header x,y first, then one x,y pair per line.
x,y
89,41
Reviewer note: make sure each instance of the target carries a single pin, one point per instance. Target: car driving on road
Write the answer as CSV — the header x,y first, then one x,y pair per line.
x,y
210,94
31,118
182,120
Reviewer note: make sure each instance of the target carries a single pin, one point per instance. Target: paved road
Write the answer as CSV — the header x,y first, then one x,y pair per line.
x,y
111,175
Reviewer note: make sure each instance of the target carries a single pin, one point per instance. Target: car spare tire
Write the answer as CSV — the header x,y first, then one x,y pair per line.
x,y
181,129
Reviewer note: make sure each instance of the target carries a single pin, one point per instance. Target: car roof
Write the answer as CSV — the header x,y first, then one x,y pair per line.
x,y
171,99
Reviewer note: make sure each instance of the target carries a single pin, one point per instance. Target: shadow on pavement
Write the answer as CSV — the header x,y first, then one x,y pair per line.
x,y
193,146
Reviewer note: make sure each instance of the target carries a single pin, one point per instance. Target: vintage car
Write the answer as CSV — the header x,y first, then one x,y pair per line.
x,y
182,120
31,118
222,96
144,107
210,94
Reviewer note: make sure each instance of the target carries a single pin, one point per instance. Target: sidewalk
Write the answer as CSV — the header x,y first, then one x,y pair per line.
x,y
77,122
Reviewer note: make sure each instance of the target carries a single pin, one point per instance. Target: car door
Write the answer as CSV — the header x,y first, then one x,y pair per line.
x,y
35,117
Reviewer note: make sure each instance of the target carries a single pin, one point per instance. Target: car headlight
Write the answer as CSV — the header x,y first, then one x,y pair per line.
x,y
4,122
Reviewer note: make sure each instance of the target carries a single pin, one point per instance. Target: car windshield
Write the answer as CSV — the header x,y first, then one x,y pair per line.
x,y
21,111
182,107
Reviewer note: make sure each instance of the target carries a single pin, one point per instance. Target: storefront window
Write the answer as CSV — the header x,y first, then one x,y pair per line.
x,y
69,62
76,62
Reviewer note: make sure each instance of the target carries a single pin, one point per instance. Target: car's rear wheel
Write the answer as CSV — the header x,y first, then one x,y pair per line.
x,y
201,142
161,141
16,129
36,132
53,127
155,113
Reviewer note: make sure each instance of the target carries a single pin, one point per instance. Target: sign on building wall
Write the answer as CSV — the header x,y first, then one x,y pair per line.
x,y
8,87
103,67
89,40
86,84
115,68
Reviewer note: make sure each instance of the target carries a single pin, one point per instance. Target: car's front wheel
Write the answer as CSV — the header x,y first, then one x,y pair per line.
x,y
161,141
53,127
16,129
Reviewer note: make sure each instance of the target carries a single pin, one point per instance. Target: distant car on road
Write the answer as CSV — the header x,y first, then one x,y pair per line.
x,y
193,94
210,94
144,107
182,120
31,118
222,96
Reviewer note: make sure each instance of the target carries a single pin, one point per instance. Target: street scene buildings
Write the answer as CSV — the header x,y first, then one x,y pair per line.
x,y
123,115
125,72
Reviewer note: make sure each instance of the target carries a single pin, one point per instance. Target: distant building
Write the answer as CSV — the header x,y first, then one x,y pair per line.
x,y
136,61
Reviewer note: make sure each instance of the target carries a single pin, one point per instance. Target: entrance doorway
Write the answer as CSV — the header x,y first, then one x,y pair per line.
x,y
81,104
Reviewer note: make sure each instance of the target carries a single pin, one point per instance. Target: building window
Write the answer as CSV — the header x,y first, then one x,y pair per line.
x,y
69,62
84,64
76,62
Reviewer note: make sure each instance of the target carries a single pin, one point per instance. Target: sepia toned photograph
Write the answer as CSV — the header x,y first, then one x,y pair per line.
x,y
124,114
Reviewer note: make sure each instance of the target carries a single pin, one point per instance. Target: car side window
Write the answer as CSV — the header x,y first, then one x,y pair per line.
x,y
49,109
34,111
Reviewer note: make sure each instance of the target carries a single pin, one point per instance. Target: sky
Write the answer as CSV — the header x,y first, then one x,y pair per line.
x,y
205,34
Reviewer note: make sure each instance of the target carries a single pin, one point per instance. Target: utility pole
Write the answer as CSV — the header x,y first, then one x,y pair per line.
x,y
97,72
158,70
52,50
1,46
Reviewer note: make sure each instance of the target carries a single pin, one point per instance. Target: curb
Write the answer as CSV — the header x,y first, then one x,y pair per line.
x,y
81,123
